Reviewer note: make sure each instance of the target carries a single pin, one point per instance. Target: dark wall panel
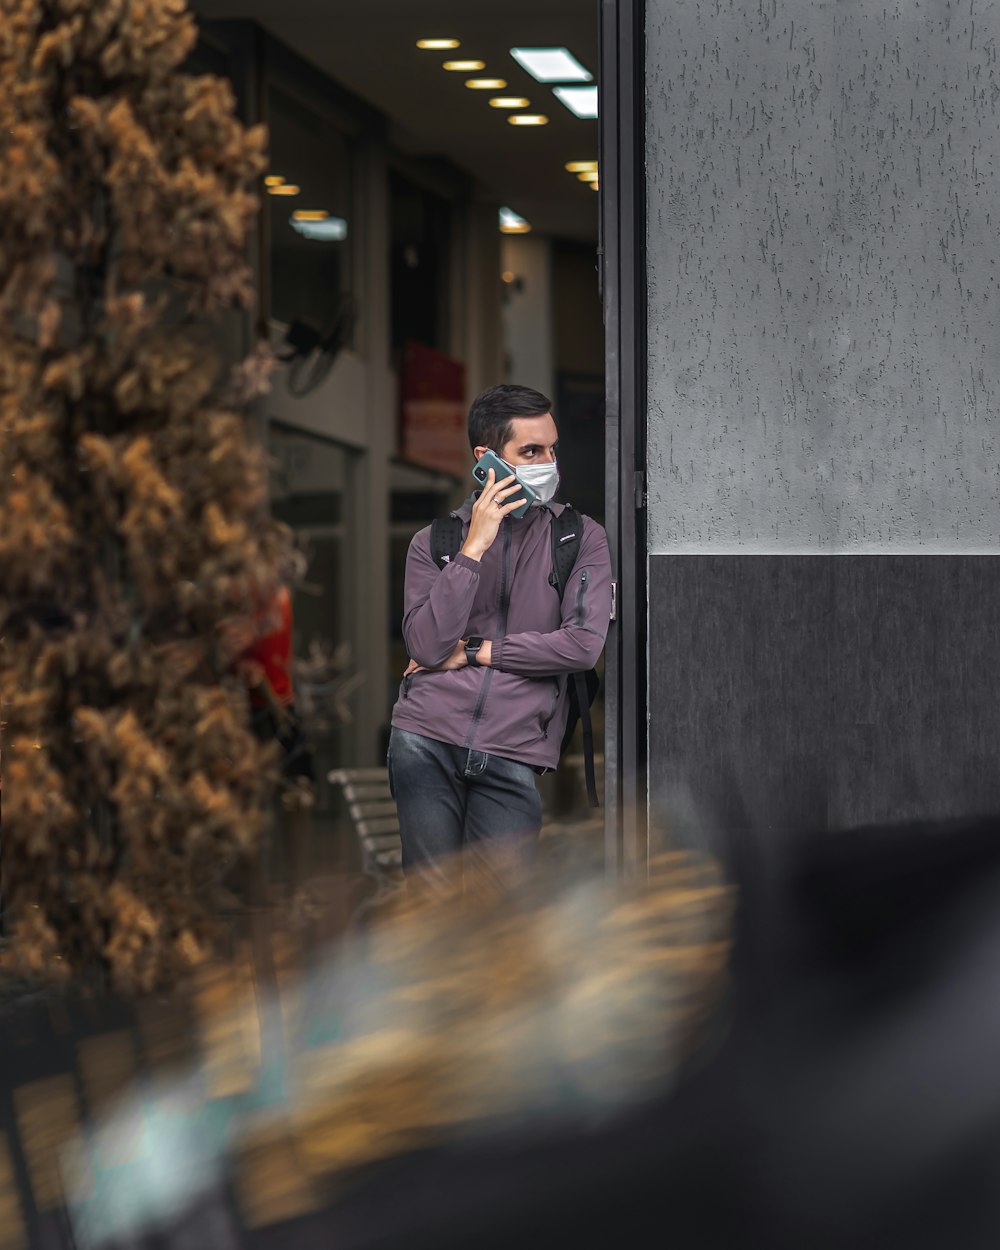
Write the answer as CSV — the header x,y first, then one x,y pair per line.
x,y
790,693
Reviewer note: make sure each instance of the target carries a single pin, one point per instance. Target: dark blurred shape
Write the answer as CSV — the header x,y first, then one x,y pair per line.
x,y
845,1094
855,1101
546,1008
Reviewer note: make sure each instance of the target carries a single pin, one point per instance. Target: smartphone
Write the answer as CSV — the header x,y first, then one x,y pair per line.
x,y
490,460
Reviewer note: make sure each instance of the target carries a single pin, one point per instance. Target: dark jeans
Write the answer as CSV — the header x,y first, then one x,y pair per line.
x,y
462,812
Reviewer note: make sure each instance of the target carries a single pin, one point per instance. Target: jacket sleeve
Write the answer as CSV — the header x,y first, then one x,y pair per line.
x,y
436,602
586,610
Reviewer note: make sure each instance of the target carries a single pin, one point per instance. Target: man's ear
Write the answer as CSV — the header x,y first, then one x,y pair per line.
x,y
479,451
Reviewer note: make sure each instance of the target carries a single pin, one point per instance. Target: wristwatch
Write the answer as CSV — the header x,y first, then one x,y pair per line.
x,y
472,648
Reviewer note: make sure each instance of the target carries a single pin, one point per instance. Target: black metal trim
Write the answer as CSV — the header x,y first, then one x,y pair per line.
x,y
622,247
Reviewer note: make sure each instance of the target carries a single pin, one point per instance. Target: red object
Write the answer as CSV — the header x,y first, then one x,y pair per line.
x,y
272,649
433,421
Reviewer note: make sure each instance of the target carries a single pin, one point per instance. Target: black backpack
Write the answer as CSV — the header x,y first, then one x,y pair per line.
x,y
567,529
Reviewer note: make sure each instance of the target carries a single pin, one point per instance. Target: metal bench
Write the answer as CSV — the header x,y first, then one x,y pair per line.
x,y
373,814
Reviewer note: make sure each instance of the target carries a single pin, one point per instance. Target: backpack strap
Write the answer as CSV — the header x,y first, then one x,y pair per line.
x,y
567,532
446,539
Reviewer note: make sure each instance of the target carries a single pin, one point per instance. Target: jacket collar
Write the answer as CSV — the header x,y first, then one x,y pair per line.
x,y
465,511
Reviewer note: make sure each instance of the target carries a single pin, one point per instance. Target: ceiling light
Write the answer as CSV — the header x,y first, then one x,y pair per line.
x,y
485,84
437,45
579,100
464,67
322,230
286,188
273,180
590,175
512,223
310,214
528,119
581,167
595,186
551,64
509,102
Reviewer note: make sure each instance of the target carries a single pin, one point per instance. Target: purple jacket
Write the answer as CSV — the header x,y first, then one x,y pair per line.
x,y
517,707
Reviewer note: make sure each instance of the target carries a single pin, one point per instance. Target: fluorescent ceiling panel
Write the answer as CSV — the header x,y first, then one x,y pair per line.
x,y
551,64
330,230
512,222
579,100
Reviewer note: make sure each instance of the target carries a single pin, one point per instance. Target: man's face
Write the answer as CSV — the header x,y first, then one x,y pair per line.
x,y
535,441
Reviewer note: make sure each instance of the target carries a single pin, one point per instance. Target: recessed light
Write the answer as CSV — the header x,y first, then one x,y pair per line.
x,y
580,167
485,84
551,64
594,186
310,214
273,180
286,188
509,102
437,45
579,100
528,119
464,67
512,223
589,175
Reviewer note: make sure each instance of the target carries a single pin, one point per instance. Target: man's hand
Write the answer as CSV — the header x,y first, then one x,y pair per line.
x,y
487,513
455,660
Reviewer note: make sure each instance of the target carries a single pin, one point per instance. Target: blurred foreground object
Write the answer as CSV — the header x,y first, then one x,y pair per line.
x,y
134,510
551,1008
850,1097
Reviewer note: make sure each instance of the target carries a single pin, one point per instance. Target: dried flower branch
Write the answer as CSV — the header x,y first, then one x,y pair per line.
x,y
134,509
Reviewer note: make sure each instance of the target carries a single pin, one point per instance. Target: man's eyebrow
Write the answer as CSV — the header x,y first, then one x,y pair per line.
x,y
533,447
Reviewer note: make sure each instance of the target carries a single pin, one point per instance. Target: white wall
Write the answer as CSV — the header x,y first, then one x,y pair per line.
x,y
527,313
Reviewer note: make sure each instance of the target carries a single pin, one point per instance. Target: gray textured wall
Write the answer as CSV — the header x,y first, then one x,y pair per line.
x,y
822,213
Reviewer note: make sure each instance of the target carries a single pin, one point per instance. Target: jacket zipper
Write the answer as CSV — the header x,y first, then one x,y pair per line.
x,y
584,579
502,611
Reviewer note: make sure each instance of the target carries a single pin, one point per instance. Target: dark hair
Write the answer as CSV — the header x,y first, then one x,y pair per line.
x,y
494,409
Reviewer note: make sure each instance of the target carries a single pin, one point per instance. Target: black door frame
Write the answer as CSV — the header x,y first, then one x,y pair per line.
x,y
622,272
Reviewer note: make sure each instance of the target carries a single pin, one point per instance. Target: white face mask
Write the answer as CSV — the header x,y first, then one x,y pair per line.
x,y
542,478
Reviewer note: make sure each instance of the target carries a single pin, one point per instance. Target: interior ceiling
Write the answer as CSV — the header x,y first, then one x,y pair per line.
x,y
369,47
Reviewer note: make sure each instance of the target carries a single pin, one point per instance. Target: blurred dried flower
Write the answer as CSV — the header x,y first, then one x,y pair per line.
x,y
134,507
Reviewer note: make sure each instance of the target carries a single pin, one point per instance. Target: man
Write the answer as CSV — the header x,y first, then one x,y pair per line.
x,y
483,703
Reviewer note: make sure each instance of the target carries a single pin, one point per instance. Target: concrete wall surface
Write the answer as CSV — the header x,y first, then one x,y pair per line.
x,y
822,226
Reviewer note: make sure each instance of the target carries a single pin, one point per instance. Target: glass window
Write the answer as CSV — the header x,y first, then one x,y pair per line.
x,y
309,229
312,491
421,264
